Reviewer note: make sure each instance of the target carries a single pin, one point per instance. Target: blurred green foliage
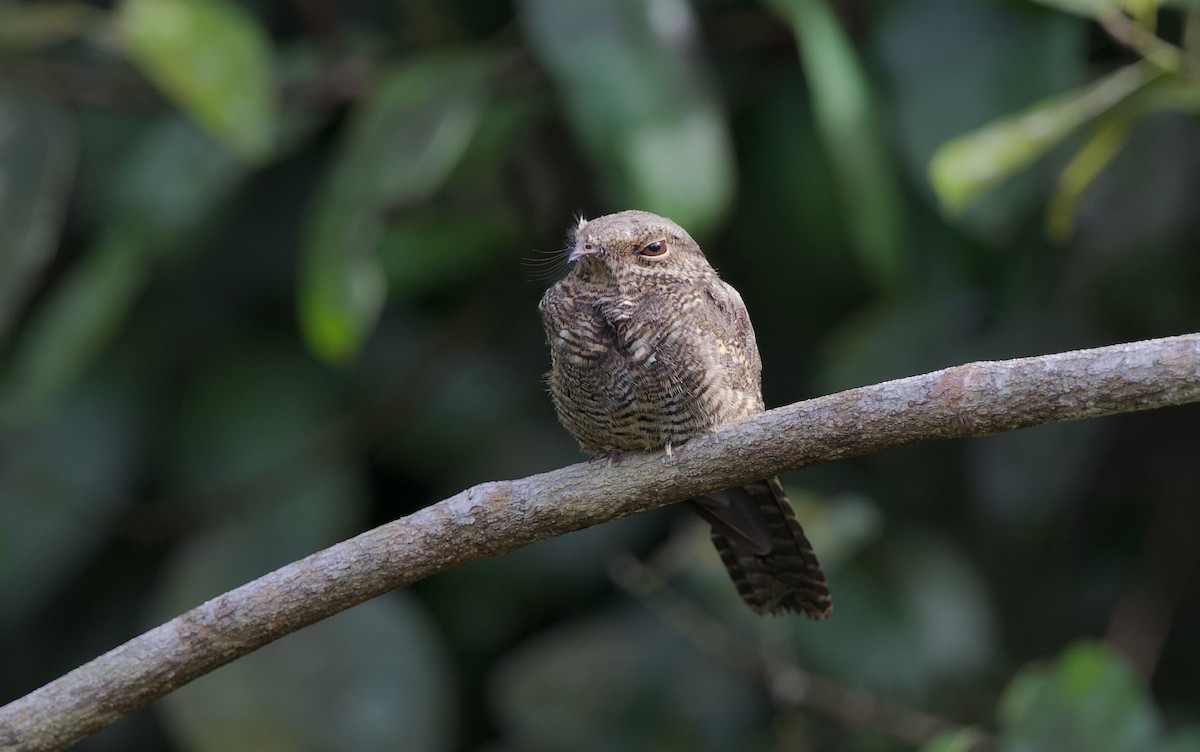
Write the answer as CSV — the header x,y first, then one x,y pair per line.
x,y
268,276
1089,699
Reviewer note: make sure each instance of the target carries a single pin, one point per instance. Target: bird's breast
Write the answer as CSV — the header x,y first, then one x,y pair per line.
x,y
631,374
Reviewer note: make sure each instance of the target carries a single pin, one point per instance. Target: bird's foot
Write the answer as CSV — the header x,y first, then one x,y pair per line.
x,y
610,456
666,454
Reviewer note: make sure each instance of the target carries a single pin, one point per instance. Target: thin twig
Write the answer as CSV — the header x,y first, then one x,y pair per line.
x,y
1144,614
788,683
976,399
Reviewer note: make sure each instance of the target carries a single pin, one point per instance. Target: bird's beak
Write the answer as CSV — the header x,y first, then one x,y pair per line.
x,y
579,251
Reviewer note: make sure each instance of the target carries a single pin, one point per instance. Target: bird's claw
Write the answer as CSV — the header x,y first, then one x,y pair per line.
x,y
610,456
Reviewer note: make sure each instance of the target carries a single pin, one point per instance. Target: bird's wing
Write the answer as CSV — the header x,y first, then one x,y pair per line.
x,y
730,324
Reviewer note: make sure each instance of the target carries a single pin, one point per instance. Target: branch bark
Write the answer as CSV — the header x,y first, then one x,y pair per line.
x,y
976,399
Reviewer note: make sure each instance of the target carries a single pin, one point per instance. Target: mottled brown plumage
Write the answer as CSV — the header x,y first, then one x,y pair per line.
x,y
650,348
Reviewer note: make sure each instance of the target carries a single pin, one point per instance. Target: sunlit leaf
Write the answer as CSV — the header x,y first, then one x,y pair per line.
x,y
845,113
1120,216
404,140
1089,699
952,66
1144,12
1089,8
638,96
212,58
1103,145
1097,8
38,153
965,740
967,166
1171,95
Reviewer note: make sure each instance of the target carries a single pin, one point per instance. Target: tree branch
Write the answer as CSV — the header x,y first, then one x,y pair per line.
x,y
976,399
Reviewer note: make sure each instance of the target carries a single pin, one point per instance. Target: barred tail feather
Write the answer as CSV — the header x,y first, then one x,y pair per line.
x,y
771,562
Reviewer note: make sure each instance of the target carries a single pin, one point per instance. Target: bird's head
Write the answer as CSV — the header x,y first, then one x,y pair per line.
x,y
633,245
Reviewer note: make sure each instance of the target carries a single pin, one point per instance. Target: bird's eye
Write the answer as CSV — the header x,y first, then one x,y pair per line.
x,y
657,248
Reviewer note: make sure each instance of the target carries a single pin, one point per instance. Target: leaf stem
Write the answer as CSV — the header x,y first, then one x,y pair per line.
x,y
1129,33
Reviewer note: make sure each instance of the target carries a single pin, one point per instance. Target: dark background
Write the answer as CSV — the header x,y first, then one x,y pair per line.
x,y
269,274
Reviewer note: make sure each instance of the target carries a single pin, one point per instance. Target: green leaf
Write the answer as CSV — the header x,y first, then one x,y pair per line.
x,y
153,208
172,183
1089,8
951,66
639,98
1099,150
963,740
842,104
39,149
72,325
1098,8
214,60
967,166
402,144
1171,95
1089,700
418,255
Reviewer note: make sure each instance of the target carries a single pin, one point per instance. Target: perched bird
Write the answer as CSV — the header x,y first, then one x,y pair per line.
x,y
649,348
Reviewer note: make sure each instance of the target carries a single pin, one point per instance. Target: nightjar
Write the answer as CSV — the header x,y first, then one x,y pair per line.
x,y
648,348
